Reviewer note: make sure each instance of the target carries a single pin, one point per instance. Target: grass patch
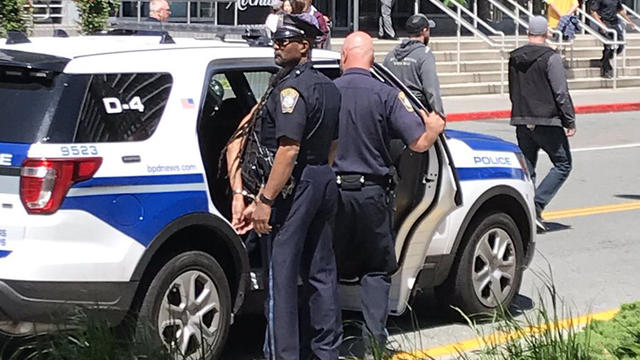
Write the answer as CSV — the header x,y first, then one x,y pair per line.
x,y
551,332
618,338
89,337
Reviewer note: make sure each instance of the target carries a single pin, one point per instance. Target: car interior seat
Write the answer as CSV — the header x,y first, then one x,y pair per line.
x,y
410,168
219,121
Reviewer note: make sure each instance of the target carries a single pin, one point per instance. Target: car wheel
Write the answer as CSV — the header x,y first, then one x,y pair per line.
x,y
187,307
488,270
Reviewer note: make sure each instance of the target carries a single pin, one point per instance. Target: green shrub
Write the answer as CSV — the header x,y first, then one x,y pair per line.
x,y
13,16
94,14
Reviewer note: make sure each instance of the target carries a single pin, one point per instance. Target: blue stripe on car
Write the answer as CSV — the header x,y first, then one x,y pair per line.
x,y
142,180
482,142
140,216
487,173
4,253
19,152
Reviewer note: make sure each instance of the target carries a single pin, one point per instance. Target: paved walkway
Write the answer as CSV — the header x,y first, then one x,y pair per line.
x,y
470,107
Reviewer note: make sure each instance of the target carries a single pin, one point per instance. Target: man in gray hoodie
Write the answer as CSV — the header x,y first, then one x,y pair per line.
x,y
414,64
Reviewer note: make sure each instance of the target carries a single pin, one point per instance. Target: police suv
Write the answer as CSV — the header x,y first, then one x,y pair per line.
x,y
112,196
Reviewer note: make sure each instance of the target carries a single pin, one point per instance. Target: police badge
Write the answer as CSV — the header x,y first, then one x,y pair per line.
x,y
288,100
405,101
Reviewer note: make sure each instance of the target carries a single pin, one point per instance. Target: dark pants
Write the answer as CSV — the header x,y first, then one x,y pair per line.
x,y
304,323
365,248
385,23
553,141
607,52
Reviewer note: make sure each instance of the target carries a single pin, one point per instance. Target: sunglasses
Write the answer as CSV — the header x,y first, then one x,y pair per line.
x,y
284,42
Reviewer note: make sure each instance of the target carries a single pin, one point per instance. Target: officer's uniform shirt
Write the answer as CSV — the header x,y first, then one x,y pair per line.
x,y
372,114
303,107
295,110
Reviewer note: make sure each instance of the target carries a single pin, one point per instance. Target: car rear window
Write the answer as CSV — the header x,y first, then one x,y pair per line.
x,y
39,105
54,107
123,107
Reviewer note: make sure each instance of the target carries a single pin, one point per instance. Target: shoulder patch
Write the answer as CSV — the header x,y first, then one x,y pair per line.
x,y
288,100
403,99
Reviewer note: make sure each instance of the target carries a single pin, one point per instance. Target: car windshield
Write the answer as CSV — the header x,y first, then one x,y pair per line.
x,y
39,105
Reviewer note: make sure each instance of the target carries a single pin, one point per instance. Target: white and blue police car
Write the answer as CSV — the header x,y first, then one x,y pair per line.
x,y
112,196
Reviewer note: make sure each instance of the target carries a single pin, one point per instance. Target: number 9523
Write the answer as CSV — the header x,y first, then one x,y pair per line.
x,y
78,150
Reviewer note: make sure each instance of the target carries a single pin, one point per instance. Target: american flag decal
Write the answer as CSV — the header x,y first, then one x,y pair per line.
x,y
188,103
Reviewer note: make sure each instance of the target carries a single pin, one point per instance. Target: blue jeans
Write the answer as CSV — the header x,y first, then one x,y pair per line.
x,y
553,141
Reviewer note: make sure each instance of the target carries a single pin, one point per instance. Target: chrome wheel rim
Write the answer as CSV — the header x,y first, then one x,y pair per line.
x,y
494,267
189,315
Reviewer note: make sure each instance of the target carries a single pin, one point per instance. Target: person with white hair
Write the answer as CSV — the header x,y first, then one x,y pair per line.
x,y
274,16
159,10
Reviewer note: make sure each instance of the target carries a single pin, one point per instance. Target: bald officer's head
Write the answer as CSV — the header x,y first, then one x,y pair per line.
x,y
357,51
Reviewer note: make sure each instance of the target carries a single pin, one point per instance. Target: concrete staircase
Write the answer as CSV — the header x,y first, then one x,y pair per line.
x,y
480,64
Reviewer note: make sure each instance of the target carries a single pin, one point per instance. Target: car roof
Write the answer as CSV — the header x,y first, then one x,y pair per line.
x,y
84,46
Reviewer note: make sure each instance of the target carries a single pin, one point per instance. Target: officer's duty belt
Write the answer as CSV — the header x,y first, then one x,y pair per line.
x,y
358,181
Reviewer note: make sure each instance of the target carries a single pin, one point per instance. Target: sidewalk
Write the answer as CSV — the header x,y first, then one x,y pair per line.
x,y
475,107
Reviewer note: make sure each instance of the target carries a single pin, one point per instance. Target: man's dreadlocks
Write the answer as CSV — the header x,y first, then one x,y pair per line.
x,y
247,129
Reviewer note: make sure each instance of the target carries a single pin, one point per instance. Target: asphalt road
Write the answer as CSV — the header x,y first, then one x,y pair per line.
x,y
593,257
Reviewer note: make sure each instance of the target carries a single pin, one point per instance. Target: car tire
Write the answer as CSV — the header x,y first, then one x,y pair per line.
x,y
193,289
490,260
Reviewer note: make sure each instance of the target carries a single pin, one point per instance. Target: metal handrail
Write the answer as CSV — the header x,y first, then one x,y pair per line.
x,y
47,13
633,13
457,15
604,40
624,30
516,17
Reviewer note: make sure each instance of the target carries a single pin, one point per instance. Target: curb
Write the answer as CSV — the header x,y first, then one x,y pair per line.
x,y
582,109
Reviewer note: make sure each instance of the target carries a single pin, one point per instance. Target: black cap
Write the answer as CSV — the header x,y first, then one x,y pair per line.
x,y
295,26
415,23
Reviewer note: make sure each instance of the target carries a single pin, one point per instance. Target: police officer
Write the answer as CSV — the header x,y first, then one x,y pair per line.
x,y
299,122
371,113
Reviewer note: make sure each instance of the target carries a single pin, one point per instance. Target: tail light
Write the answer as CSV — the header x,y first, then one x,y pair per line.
x,y
44,183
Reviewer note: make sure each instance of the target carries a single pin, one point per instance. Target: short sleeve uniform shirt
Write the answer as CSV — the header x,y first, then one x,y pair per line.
x,y
371,114
607,9
303,107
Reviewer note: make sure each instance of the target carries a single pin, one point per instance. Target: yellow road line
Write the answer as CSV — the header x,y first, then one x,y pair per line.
x,y
502,337
592,210
499,338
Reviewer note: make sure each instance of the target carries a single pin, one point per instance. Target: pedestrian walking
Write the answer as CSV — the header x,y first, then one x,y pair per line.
x,y
323,26
561,16
274,16
371,112
542,111
413,63
559,8
385,22
159,11
606,13
293,128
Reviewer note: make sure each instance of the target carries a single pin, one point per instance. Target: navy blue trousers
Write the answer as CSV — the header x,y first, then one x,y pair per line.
x,y
365,248
304,323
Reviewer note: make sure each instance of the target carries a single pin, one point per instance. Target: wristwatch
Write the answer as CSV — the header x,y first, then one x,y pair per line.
x,y
265,200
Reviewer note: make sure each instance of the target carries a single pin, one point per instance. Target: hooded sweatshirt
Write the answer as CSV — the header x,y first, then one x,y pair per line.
x,y
414,64
538,88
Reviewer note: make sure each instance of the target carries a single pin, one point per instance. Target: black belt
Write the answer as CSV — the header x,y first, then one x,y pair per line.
x,y
358,181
